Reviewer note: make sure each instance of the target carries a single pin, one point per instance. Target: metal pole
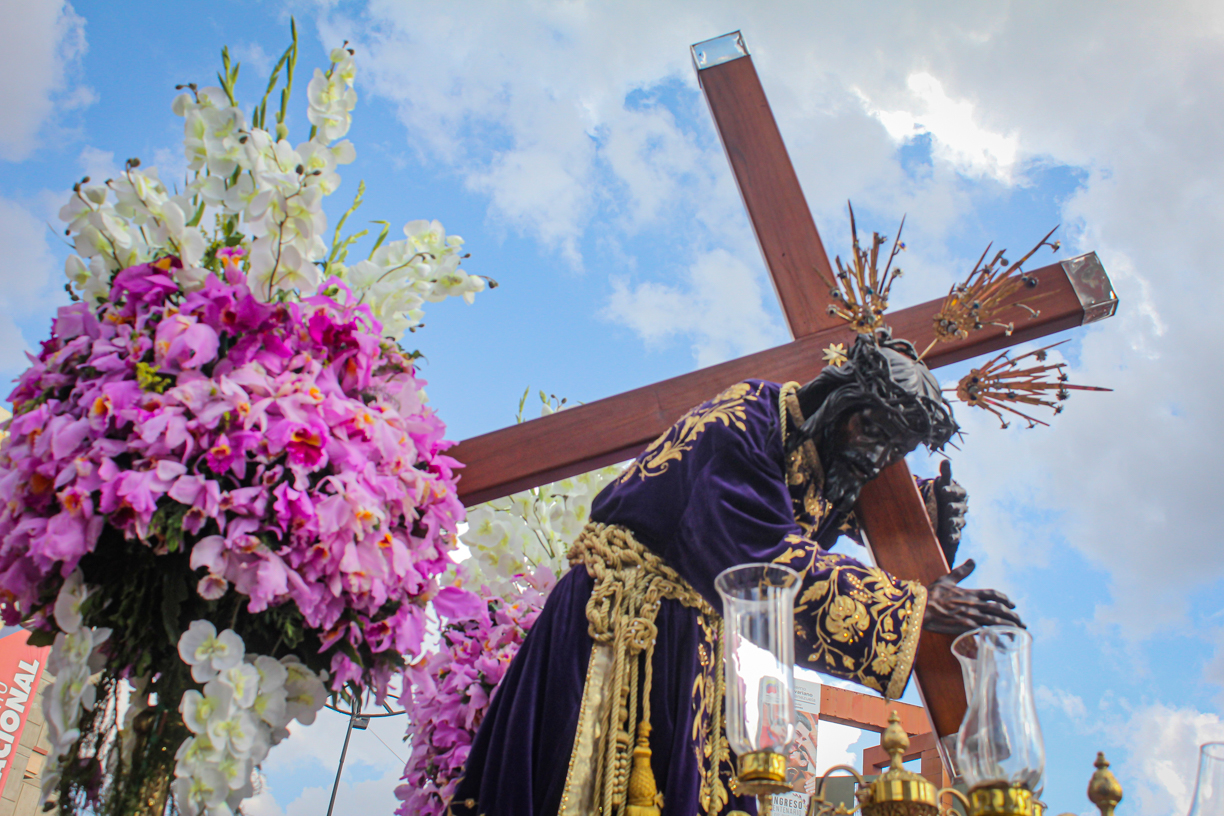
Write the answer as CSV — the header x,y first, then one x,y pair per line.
x,y
340,769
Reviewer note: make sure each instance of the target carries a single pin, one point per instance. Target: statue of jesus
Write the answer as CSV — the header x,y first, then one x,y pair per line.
x,y
614,704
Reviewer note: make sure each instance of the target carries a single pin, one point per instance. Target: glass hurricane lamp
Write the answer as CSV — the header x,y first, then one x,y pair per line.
x,y
759,646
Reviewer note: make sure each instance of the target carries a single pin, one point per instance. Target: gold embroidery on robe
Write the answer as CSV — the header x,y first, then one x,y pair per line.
x,y
578,797
709,733
728,408
859,622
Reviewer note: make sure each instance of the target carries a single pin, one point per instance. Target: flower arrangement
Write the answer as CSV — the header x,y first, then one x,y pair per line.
x,y
517,548
222,434
448,693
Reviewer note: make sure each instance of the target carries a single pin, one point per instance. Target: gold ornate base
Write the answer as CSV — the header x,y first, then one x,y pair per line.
x,y
1001,800
761,772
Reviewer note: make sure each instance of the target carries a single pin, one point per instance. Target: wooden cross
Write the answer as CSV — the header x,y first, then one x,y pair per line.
x,y
890,509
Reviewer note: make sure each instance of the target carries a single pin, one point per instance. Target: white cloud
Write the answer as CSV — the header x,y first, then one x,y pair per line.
x,y
99,165
367,796
958,138
1070,705
29,272
254,61
719,305
291,790
38,43
1164,744
13,346
838,744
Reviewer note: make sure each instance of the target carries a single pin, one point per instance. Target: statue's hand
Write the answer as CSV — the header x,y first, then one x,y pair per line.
x,y
953,609
952,501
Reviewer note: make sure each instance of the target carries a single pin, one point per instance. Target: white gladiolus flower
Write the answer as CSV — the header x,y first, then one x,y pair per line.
x,y
207,652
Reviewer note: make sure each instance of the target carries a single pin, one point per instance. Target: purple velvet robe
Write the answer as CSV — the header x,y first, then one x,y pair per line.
x,y
715,491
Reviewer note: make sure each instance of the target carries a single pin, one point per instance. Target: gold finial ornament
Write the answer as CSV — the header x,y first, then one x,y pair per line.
x,y
1003,381
897,792
860,293
1104,790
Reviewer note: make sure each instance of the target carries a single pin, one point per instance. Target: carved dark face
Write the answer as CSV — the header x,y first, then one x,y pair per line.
x,y
863,444
870,412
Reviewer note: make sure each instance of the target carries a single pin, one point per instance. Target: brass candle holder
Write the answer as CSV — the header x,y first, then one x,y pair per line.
x,y
898,792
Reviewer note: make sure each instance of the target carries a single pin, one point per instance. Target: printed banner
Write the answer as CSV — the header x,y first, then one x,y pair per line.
x,y
802,772
21,666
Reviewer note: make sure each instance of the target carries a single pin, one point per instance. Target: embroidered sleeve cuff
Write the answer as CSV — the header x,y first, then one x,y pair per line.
x,y
911,629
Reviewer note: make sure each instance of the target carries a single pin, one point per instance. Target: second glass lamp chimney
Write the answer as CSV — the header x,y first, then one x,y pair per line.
x,y
759,630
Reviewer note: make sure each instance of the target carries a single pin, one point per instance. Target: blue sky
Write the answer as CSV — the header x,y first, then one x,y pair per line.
x,y
569,145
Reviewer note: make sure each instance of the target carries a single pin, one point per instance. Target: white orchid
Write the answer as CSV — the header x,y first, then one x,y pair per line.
x,y
72,594
243,681
201,709
235,768
305,692
207,652
74,658
238,716
237,731
195,753
201,792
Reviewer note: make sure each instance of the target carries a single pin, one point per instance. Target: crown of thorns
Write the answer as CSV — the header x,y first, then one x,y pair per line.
x,y
925,416
884,375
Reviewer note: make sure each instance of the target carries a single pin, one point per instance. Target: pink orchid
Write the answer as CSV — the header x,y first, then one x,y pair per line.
x,y
182,342
293,444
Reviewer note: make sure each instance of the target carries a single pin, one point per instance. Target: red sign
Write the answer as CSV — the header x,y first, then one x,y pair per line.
x,y
21,666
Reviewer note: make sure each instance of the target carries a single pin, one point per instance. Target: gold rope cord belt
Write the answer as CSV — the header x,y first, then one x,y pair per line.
x,y
630,583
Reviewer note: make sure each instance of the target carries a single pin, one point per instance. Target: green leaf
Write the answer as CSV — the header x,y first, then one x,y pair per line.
x,y
382,236
351,651
339,246
291,65
195,219
42,637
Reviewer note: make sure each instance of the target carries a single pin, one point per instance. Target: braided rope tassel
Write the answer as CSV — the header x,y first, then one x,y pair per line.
x,y
630,583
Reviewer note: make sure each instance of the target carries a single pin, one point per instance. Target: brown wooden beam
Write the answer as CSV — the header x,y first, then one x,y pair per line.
x,y
617,428
767,182
898,532
866,711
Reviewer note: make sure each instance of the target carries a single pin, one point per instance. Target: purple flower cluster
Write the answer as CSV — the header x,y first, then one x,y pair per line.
x,y
448,693
288,442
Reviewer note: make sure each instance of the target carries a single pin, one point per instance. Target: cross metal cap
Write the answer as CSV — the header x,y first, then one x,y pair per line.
x,y
728,47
